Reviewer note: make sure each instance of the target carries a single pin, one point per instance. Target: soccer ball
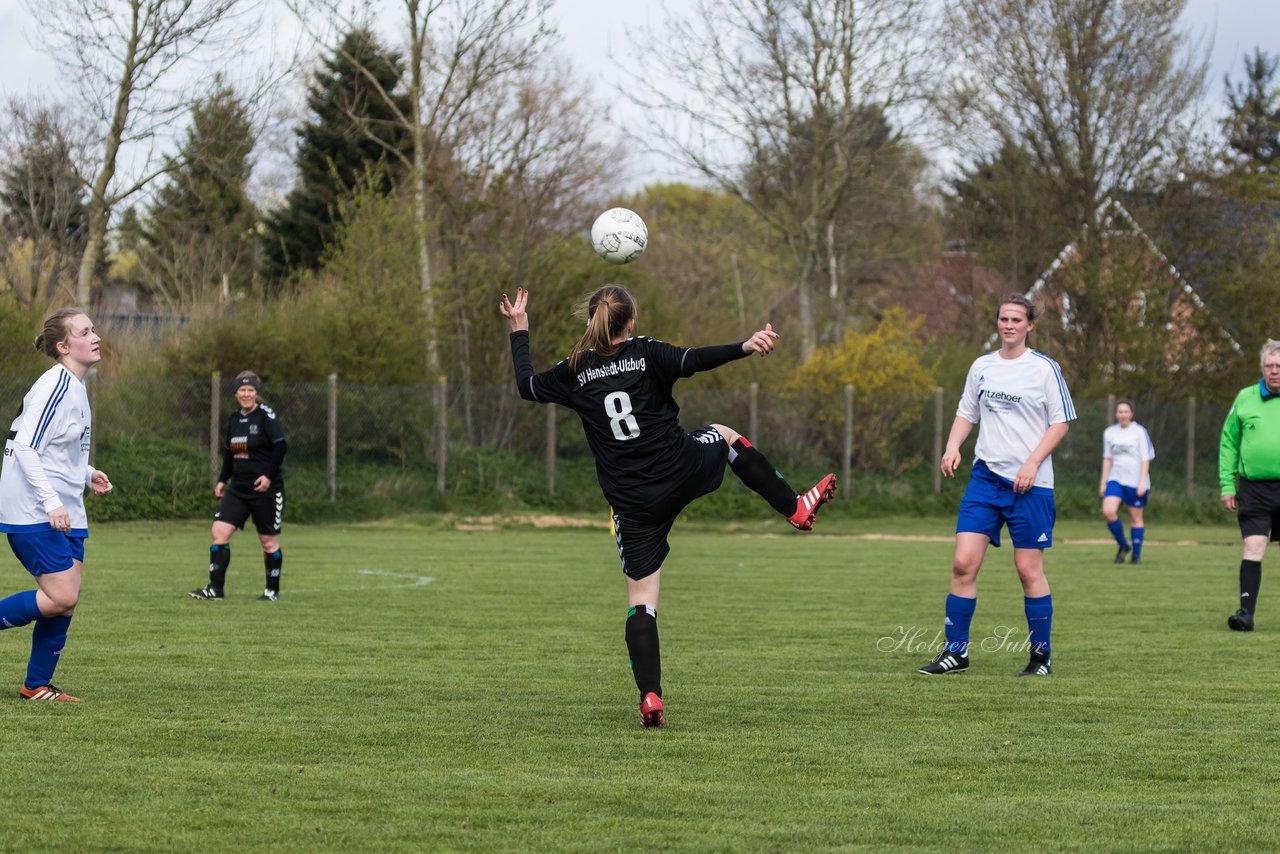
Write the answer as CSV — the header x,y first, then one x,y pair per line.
x,y
619,236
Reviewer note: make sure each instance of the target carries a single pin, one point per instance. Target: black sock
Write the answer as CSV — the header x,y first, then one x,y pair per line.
x,y
274,563
642,644
1250,581
755,470
219,560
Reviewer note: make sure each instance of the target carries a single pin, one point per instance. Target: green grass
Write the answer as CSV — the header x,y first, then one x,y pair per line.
x,y
491,707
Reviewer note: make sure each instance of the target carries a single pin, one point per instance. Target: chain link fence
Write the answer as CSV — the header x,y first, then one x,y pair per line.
x,y
336,427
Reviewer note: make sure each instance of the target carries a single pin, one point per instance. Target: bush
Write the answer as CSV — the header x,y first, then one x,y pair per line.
x,y
891,385
18,329
152,479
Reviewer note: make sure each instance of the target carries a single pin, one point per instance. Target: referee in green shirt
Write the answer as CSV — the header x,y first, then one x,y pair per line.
x,y
1249,473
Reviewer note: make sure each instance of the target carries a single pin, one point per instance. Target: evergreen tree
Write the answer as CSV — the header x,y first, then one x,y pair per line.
x,y
1253,126
197,237
1004,206
350,135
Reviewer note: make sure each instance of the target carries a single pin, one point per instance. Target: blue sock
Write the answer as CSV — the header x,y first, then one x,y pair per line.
x,y
47,640
18,609
1039,622
959,615
1135,534
1117,530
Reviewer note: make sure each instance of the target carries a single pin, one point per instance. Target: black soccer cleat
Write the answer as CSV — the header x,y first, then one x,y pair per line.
x,y
1122,553
1240,621
269,595
1038,665
208,593
946,662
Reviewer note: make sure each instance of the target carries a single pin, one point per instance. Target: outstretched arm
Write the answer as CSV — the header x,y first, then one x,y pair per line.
x,y
705,358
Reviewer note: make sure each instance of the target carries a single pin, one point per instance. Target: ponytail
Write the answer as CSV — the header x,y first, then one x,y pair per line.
x,y
55,331
608,311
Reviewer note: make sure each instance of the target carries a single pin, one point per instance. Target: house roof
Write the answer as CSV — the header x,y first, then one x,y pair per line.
x,y
1115,220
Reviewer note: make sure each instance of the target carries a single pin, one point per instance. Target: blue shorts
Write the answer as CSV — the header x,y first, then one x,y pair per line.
x,y
989,503
44,552
1128,495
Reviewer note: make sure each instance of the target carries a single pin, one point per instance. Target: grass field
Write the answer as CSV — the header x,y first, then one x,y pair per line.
x,y
422,687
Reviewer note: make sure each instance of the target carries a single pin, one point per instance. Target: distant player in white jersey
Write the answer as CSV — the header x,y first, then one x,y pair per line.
x,y
1127,453
46,470
1020,399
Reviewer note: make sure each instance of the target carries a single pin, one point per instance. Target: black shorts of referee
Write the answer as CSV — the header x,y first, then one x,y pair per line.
x,y
1258,508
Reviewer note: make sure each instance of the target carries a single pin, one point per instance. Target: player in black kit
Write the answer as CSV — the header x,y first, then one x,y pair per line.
x,y
251,484
648,466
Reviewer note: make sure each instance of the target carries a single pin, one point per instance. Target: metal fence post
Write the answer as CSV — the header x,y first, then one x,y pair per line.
x,y
215,433
937,440
847,457
442,431
332,468
1191,447
551,449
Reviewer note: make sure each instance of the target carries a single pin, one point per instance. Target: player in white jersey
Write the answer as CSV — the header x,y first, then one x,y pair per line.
x,y
46,470
1021,401
1127,453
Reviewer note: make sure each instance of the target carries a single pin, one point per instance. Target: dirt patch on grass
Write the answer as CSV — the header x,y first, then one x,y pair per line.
x,y
544,520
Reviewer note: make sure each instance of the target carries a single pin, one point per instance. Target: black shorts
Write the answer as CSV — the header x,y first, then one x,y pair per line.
x,y
1258,508
642,534
266,508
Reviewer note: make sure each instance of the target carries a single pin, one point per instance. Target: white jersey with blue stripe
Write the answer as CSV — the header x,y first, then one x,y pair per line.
x,y
55,423
1127,447
1014,401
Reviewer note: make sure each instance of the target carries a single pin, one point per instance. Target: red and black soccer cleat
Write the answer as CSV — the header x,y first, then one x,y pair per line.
x,y
651,711
807,503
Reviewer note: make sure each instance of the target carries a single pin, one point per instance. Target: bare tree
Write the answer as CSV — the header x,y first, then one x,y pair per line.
x,y
42,223
457,49
1101,95
530,164
768,100
532,145
126,59
1096,90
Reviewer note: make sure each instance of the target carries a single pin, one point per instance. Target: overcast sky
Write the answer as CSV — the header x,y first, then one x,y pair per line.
x,y
593,30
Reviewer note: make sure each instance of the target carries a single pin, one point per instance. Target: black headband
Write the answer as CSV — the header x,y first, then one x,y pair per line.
x,y
251,381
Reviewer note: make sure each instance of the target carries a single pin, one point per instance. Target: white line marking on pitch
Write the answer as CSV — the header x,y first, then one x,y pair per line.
x,y
418,580
413,581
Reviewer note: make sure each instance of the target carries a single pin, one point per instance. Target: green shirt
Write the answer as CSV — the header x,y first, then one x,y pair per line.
x,y
1250,444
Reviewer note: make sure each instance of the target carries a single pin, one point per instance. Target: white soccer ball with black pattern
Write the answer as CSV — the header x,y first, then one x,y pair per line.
x,y
619,236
